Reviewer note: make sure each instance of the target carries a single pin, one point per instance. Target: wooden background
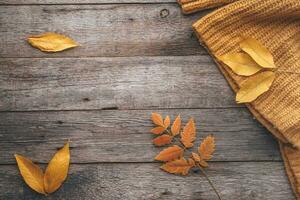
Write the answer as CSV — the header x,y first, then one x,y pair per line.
x,y
136,57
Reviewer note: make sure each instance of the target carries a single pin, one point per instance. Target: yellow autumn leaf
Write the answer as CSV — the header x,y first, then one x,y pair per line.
x,y
157,119
240,63
57,169
162,140
258,52
167,121
188,134
180,166
254,86
51,42
170,153
31,173
207,148
157,130
175,128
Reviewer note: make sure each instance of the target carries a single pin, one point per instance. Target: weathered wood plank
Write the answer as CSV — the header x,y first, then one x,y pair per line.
x,y
24,2
124,136
99,83
243,181
102,30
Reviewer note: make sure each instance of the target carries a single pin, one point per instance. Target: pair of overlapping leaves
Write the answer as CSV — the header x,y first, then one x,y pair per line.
x,y
174,155
254,58
55,174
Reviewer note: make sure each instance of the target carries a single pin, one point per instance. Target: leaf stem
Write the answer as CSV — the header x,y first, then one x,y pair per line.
x,y
209,181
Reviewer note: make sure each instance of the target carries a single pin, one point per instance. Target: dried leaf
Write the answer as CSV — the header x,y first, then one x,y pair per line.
x,y
51,42
180,166
31,173
167,121
255,86
175,128
258,52
57,169
240,63
207,148
188,135
157,119
162,140
196,157
203,163
158,130
170,153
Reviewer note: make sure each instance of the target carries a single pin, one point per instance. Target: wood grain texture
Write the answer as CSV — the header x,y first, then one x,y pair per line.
x,y
242,181
101,30
24,2
124,136
100,83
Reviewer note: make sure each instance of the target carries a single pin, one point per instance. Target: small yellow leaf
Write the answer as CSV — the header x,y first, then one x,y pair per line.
x,y
196,157
51,42
203,163
162,140
175,128
258,52
180,166
57,169
157,119
188,135
170,153
157,130
167,121
240,63
31,173
254,86
207,148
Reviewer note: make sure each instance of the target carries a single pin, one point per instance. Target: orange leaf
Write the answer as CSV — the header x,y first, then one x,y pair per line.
x,y
31,173
175,128
158,130
162,140
57,169
196,157
180,166
207,148
188,135
157,119
170,153
167,121
203,163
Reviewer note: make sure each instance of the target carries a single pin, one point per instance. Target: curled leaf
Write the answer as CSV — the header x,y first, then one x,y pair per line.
x,y
188,135
254,86
162,140
157,119
258,52
57,169
175,128
158,130
51,42
240,63
180,166
31,173
207,148
170,153
167,121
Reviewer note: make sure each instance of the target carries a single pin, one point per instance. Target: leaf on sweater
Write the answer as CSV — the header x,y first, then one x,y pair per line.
x,y
240,63
254,86
207,148
51,42
180,166
57,169
162,140
175,128
170,153
55,174
258,52
188,135
158,130
167,122
31,173
157,119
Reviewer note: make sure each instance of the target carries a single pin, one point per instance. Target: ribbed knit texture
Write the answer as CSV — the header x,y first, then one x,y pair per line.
x,y
190,6
276,24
